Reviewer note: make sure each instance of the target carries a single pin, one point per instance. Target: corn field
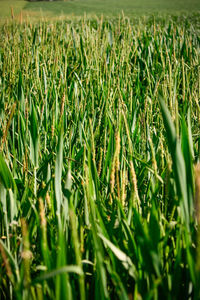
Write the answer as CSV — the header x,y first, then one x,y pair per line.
x,y
99,159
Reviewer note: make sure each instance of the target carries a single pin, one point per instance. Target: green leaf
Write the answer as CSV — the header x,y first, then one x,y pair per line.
x,y
34,137
178,162
126,261
6,177
187,151
59,271
58,170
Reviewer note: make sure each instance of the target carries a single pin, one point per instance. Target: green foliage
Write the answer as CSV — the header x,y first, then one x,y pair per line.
x,y
99,135
34,9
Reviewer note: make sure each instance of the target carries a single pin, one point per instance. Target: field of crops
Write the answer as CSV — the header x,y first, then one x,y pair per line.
x,y
46,9
99,151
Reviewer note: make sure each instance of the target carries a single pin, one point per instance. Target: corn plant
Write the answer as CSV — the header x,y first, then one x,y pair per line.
x,y
99,130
